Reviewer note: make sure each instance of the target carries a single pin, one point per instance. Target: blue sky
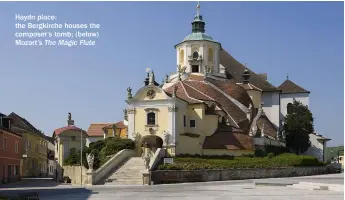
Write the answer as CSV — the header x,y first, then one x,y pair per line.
x,y
303,39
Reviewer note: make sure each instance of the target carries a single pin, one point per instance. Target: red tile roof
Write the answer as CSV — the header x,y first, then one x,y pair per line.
x,y
235,70
269,127
227,137
290,87
67,128
96,129
119,124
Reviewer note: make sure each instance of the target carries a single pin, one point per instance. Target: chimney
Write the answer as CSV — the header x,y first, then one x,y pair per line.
x,y
263,76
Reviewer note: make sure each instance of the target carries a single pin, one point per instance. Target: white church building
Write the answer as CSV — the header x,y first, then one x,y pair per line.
x,y
207,73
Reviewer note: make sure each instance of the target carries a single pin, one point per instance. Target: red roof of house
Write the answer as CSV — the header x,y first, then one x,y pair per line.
x,y
96,129
67,128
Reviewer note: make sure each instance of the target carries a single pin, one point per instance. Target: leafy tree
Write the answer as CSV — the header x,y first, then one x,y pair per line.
x,y
298,125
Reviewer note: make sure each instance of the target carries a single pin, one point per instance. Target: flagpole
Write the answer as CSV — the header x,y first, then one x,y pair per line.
x,y
81,156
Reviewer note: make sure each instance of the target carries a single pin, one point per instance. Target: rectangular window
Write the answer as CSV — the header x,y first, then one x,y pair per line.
x,y
192,123
16,147
16,170
4,144
184,121
151,118
73,138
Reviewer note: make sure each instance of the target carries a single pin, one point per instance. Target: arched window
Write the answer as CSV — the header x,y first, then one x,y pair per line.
x,y
289,108
210,54
181,56
151,118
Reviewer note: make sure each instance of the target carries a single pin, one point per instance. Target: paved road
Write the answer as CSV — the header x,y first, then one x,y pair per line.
x,y
234,190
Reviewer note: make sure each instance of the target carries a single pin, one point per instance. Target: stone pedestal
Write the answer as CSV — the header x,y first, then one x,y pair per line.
x,y
146,178
90,174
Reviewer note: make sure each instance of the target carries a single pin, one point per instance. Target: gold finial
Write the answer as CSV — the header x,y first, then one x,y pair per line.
x,y
198,8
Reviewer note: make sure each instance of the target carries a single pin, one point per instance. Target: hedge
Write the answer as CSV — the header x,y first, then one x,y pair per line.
x,y
102,151
281,161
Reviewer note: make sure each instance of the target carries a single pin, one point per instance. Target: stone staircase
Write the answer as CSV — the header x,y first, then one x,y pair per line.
x,y
130,173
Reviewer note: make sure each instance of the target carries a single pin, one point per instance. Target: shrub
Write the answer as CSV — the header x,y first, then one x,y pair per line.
x,y
259,153
276,150
271,161
104,148
270,155
206,156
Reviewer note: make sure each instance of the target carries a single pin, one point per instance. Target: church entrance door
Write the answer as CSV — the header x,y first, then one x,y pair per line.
x,y
151,142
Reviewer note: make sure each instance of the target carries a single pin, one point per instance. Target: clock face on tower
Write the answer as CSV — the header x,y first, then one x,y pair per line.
x,y
151,94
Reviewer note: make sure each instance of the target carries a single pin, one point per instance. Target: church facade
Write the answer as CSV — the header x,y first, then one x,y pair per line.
x,y
211,105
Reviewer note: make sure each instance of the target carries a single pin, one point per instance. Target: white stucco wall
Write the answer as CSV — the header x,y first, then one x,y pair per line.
x,y
271,106
202,48
316,147
89,140
288,98
51,146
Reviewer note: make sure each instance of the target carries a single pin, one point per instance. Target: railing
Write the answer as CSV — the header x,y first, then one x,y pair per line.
x,y
102,172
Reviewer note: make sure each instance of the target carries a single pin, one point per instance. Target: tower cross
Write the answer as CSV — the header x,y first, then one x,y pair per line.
x,y
198,9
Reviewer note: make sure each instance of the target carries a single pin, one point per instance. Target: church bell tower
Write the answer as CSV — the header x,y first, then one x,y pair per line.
x,y
198,52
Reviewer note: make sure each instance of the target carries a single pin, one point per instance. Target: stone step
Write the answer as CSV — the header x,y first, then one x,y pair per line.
x,y
132,182
333,187
124,177
307,187
130,173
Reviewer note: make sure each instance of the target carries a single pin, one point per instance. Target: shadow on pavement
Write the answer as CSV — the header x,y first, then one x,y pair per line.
x,y
32,182
49,194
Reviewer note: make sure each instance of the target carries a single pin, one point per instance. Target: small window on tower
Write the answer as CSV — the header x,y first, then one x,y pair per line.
x,y
289,108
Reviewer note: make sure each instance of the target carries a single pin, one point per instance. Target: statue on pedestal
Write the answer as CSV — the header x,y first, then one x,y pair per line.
x,y
90,158
147,158
166,137
129,93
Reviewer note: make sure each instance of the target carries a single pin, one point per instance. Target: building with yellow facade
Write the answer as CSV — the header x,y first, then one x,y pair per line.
x,y
35,147
68,139
101,131
211,105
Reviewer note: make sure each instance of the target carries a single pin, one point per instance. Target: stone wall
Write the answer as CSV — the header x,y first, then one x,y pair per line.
x,y
180,176
73,172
